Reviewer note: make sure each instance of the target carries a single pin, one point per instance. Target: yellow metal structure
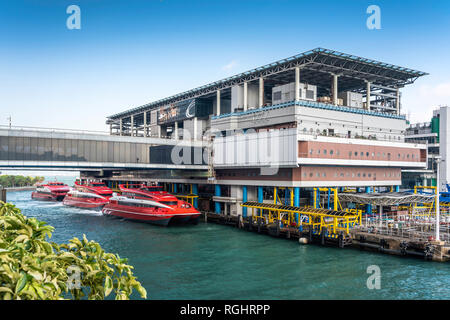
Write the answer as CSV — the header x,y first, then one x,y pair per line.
x,y
318,219
187,197
336,203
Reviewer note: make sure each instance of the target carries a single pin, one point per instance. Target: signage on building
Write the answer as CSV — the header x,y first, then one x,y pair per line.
x,y
182,110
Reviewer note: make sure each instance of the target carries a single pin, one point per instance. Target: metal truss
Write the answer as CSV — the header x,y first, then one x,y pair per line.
x,y
317,66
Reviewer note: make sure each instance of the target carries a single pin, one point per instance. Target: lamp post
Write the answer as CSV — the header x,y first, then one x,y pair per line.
x,y
438,160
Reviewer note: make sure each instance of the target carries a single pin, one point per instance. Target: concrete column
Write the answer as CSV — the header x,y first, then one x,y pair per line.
x,y
145,123
369,206
397,101
175,188
132,125
217,194
244,199
218,103
110,129
175,132
261,92
296,201
195,129
120,127
335,89
245,97
368,95
297,83
260,195
195,191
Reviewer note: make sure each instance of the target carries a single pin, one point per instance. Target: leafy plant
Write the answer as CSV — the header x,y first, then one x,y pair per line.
x,y
32,268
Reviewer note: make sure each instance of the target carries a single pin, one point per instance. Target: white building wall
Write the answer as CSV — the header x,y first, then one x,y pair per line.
x,y
256,149
444,147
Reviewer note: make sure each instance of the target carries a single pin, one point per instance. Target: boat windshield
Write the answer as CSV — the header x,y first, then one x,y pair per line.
x,y
151,189
169,203
98,184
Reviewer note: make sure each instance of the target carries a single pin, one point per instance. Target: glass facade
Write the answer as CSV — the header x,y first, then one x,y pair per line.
x,y
52,149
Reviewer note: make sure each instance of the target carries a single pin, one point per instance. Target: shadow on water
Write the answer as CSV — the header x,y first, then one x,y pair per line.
x,y
209,261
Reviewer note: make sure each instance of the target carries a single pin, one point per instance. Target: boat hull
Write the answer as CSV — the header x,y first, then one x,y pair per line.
x,y
46,197
129,214
84,204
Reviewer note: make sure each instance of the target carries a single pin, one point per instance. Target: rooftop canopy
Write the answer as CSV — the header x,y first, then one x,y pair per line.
x,y
317,67
385,199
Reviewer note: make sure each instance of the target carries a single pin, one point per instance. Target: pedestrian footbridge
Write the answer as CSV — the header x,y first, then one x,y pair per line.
x,y
62,149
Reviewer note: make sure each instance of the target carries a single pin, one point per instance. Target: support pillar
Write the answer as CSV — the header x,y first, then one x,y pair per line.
x,y
217,194
369,206
145,123
132,125
368,93
110,129
175,188
296,201
397,101
195,191
335,89
329,198
397,188
261,92
245,96
260,195
195,128
176,130
120,127
218,103
297,83
244,199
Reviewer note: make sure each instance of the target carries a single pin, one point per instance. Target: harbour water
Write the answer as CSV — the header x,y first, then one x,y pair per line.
x,y
210,261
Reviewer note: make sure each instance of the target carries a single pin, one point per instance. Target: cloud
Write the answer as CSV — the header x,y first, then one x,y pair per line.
x,y
230,65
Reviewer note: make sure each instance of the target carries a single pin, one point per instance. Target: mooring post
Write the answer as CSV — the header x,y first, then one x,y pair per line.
x,y
2,194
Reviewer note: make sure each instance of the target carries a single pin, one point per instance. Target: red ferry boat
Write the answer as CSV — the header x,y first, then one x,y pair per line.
x,y
96,187
51,191
160,210
86,200
155,193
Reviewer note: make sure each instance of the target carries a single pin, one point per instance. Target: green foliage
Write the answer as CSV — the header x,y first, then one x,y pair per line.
x,y
32,268
8,181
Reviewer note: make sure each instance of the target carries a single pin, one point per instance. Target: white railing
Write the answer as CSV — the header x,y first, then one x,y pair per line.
x,y
56,130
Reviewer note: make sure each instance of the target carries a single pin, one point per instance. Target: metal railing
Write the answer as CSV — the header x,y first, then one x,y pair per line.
x,y
55,130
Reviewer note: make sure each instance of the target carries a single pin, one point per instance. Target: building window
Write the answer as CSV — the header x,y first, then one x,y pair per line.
x,y
325,151
277,95
331,152
367,154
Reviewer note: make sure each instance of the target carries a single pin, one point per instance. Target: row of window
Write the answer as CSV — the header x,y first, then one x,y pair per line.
x,y
352,175
362,154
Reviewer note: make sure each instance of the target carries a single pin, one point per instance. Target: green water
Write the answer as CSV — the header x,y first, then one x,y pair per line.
x,y
210,261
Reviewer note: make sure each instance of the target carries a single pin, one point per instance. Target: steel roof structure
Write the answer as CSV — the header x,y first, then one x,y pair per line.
x,y
317,67
385,199
303,210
